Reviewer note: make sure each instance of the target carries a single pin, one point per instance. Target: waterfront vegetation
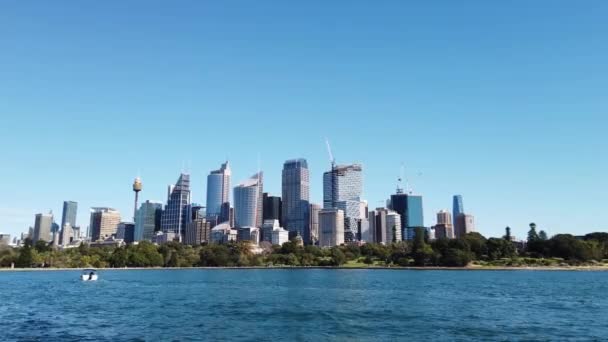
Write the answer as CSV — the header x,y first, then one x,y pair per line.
x,y
471,250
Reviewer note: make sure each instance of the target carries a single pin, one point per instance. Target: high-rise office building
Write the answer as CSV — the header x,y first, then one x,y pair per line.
x,y
331,227
126,231
457,207
444,231
104,223
464,224
218,194
393,227
70,208
176,213
384,226
148,220
198,231
248,202
43,226
444,217
295,195
313,221
444,228
409,206
342,189
67,235
272,206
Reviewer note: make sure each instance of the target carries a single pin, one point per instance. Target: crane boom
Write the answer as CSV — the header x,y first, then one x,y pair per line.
x,y
331,156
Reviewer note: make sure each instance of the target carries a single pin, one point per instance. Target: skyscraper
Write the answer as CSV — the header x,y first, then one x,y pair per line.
x,y
70,209
218,194
313,221
104,223
464,224
175,216
147,220
384,226
248,202
43,225
457,207
342,189
295,194
444,228
272,208
444,217
331,227
409,206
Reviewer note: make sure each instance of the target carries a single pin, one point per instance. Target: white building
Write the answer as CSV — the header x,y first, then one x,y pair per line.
x,y
280,236
331,227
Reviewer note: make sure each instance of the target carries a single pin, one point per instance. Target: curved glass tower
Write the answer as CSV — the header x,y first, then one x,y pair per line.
x,y
218,193
248,198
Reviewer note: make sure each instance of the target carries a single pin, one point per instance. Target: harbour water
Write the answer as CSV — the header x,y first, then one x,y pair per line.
x,y
304,305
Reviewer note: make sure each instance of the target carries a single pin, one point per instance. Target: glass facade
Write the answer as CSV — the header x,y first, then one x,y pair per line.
x,y
146,222
410,208
295,198
272,208
248,198
342,189
69,213
218,193
176,214
457,207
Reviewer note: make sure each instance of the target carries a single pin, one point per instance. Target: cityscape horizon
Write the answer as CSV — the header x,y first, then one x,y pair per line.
x,y
401,183
427,86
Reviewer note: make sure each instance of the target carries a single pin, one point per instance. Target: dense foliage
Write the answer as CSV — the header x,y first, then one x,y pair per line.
x,y
539,250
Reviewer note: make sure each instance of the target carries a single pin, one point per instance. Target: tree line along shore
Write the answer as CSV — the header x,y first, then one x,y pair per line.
x,y
473,251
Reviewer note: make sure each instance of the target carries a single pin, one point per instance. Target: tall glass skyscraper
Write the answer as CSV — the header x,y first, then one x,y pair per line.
x,y
176,213
248,199
457,207
295,198
342,189
218,193
410,208
69,213
147,220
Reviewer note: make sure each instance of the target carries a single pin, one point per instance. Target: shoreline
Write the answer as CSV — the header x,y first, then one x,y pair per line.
x,y
393,268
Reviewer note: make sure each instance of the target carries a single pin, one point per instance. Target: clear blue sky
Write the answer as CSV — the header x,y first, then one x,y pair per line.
x,y
504,102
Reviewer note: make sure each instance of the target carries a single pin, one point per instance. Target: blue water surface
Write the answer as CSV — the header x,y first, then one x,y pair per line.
x,y
304,305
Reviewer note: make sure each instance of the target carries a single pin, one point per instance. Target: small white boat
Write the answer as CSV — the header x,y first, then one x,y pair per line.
x,y
88,274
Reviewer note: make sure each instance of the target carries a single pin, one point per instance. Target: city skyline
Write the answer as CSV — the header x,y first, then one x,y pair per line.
x,y
501,104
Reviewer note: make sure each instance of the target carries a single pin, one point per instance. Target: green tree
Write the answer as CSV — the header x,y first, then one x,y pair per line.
x,y
119,257
542,235
337,256
477,244
508,234
42,246
421,251
456,258
500,248
532,235
25,258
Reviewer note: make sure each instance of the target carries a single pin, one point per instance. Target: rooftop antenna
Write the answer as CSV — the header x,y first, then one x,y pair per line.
x,y
332,160
400,180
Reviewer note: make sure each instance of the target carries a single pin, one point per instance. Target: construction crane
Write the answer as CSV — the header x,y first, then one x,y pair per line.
x,y
400,180
332,160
